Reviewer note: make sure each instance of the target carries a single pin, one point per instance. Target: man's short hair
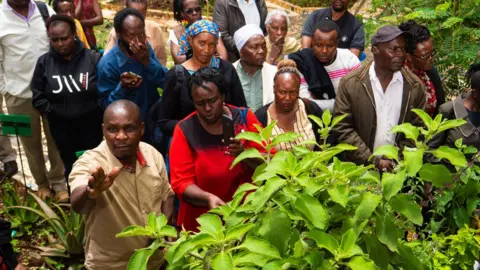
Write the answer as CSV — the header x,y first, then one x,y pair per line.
x,y
122,15
56,19
326,26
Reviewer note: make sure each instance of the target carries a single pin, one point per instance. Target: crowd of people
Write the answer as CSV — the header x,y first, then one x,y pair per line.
x,y
151,134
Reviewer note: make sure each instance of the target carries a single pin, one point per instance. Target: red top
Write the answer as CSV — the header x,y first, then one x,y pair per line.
x,y
197,157
88,13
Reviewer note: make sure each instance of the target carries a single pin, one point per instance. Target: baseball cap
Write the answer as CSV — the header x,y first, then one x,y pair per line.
x,y
386,33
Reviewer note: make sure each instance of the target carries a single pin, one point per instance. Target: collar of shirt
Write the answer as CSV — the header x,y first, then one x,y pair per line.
x,y
397,78
250,2
31,10
140,159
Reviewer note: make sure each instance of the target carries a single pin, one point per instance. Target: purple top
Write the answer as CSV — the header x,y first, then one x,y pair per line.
x,y
31,10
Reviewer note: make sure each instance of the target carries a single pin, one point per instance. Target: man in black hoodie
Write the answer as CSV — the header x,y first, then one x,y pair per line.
x,y
64,87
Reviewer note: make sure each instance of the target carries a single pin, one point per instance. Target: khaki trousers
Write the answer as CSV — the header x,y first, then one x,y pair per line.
x,y
32,145
7,153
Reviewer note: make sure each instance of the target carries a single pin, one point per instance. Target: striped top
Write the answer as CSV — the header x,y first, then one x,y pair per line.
x,y
301,126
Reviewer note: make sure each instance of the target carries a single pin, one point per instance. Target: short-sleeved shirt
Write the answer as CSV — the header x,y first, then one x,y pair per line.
x,y
252,87
128,201
352,32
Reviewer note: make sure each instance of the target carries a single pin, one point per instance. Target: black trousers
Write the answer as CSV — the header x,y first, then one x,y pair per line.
x,y
72,136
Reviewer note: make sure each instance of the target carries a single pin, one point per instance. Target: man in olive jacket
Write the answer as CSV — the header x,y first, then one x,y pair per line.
x,y
377,97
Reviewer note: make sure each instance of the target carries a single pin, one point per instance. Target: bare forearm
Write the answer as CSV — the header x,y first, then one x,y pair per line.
x,y
92,22
306,42
80,201
168,207
196,196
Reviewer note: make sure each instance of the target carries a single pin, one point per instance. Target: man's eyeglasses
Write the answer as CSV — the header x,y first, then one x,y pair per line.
x,y
190,11
429,56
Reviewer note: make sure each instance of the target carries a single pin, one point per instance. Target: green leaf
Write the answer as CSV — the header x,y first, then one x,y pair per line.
x,y
238,231
453,155
449,124
247,258
348,241
317,120
413,159
139,259
387,231
212,225
261,247
312,210
152,221
285,137
168,231
181,250
274,265
339,194
387,150
368,204
266,133
377,252
203,239
409,258
327,117
426,119
410,131
299,249
461,217
263,194
252,153
223,210
244,188
392,183
472,204
275,227
161,221
438,174
360,263
451,22
402,204
338,119
324,240
222,261
250,136
135,230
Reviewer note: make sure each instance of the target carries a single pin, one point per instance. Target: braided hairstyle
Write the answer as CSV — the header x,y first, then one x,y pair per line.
x,y
287,66
418,34
207,74
473,76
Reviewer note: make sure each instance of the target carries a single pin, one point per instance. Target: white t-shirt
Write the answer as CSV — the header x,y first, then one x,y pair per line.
x,y
388,105
344,63
250,11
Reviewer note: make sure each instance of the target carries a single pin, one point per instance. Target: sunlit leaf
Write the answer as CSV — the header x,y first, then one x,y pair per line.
x,y
389,151
250,153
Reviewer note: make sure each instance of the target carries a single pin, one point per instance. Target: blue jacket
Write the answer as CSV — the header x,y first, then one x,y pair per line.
x,y
111,67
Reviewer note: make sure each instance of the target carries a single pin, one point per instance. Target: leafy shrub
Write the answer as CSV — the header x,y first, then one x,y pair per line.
x,y
309,210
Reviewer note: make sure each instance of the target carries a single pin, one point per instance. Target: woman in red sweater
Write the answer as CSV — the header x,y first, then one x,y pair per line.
x,y
199,160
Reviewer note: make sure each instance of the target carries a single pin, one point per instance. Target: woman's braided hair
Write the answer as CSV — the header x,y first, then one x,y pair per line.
x,y
287,66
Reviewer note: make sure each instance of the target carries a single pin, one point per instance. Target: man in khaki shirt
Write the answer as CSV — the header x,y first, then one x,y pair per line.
x,y
116,185
152,30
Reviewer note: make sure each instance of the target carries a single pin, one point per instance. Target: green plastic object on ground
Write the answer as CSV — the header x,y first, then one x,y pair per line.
x,y
15,124
79,153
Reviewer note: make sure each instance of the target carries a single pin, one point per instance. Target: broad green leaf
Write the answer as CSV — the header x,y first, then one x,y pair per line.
x,y
168,231
266,133
203,239
387,231
348,241
410,131
252,153
250,136
274,265
222,261
409,258
370,176
402,204
247,258
392,183
161,221
263,194
338,119
181,251
260,246
299,249
285,137
339,194
212,225
244,188
438,174
139,259
426,119
387,150
152,221
472,204
223,210
377,252
413,159
317,120
461,217
360,263
368,204
236,218
238,231
324,240
135,230
275,227
312,210
453,155
314,259
327,117
449,124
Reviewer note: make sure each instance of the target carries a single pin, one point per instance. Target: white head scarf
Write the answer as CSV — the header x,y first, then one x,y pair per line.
x,y
243,34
